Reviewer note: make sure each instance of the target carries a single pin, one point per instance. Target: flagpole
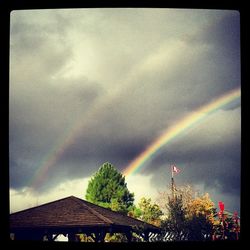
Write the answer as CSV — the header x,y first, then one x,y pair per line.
x,y
172,181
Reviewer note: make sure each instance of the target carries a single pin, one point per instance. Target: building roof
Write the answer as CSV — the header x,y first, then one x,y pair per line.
x,y
72,212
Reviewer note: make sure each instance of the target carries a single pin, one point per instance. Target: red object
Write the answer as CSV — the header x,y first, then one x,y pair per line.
x,y
221,205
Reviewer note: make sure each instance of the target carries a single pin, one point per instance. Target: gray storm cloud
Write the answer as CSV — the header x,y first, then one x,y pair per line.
x,y
123,77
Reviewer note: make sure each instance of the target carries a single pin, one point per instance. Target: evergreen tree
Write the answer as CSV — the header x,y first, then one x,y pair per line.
x,y
107,188
176,222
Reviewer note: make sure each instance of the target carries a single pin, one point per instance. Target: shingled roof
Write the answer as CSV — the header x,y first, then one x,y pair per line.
x,y
72,212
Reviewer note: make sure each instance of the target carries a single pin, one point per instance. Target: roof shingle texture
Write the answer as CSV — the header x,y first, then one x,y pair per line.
x,y
71,212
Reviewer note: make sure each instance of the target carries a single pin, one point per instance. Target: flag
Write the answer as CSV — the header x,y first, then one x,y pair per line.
x,y
175,170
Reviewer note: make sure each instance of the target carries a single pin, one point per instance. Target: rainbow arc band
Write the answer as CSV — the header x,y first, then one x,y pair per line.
x,y
179,128
70,135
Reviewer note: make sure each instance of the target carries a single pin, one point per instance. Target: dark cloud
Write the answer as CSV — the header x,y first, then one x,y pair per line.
x,y
222,62
102,85
209,155
225,33
40,119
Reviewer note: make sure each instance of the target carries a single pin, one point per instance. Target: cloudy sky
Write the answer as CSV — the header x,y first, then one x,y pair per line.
x,y
89,86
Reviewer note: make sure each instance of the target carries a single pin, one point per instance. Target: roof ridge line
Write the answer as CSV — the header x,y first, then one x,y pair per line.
x,y
93,211
103,217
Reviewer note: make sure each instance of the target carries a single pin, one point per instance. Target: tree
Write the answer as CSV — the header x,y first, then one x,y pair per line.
x,y
175,224
186,192
199,228
201,205
107,188
135,212
189,216
200,217
150,213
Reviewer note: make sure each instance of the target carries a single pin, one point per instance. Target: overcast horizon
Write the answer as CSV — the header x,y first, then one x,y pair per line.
x,y
89,86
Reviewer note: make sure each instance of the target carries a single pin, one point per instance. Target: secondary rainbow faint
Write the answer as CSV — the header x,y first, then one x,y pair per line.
x,y
70,135
179,128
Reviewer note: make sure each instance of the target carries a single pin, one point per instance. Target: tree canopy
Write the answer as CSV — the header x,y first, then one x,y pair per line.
x,y
182,215
147,211
108,188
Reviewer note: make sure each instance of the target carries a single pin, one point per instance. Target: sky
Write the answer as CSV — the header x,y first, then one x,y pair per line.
x,y
89,86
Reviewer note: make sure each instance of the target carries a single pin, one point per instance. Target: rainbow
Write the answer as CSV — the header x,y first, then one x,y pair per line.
x,y
68,138
179,128
52,156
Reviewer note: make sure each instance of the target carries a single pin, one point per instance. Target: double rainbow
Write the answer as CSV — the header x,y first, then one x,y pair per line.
x,y
180,127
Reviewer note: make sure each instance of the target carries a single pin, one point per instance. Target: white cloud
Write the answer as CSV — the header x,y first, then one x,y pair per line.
x,y
141,186
25,198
